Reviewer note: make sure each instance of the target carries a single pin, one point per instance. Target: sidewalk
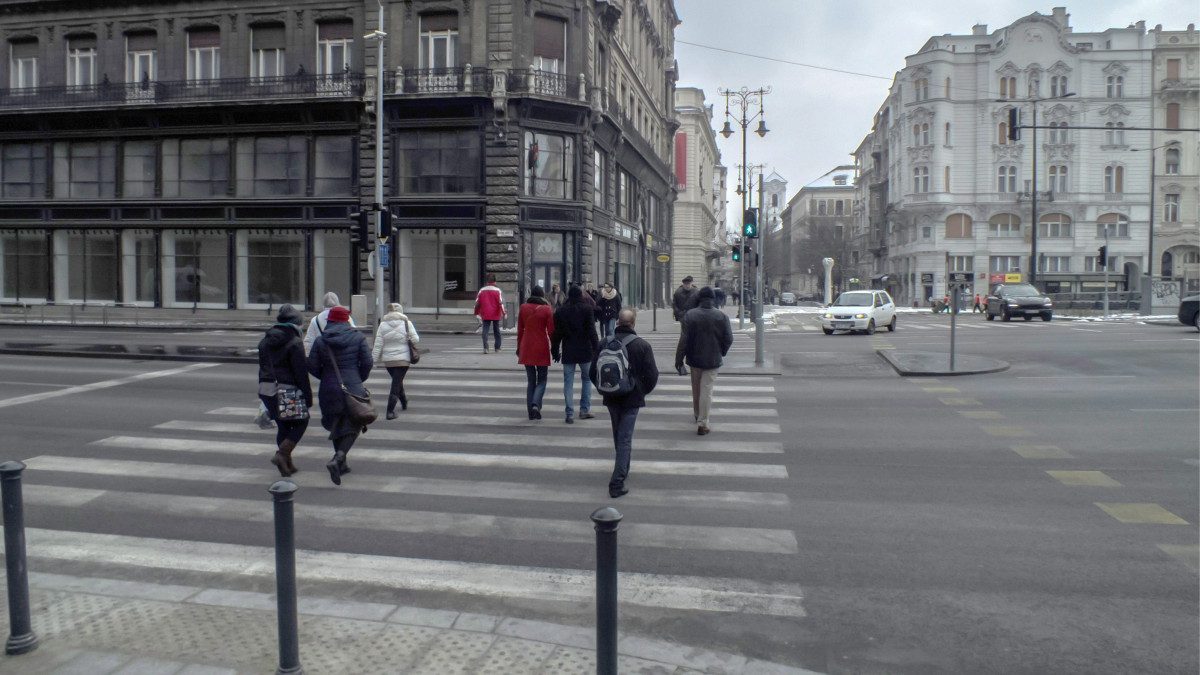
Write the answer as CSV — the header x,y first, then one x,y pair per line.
x,y
91,626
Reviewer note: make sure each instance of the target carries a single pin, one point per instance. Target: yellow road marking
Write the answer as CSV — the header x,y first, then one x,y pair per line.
x,y
981,414
1187,554
1142,513
941,390
1004,430
1041,451
1085,478
952,400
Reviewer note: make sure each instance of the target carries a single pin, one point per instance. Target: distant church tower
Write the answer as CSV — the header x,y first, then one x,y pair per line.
x,y
774,201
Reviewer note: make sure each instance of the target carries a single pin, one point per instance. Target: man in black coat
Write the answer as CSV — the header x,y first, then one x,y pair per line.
x,y
684,298
623,408
704,339
575,333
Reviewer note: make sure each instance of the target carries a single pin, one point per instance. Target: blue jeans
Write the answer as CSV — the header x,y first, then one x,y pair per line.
x,y
495,331
585,397
535,385
606,327
622,425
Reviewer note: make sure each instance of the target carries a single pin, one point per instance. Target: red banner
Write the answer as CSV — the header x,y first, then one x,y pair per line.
x,y
681,160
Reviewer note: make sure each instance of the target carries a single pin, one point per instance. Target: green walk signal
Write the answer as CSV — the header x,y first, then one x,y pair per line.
x,y
750,223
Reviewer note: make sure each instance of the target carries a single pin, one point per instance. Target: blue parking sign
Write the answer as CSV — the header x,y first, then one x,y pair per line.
x,y
383,255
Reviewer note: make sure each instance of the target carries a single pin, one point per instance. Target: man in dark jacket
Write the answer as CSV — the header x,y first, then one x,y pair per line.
x,y
704,339
684,298
623,408
575,333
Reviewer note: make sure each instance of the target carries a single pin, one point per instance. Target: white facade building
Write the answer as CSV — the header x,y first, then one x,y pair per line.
x,y
694,238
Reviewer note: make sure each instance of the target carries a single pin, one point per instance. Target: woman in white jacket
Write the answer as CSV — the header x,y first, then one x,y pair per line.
x,y
392,350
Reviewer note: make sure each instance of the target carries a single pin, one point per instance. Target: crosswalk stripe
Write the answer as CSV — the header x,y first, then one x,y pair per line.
x,y
505,582
382,386
675,536
597,407
519,384
441,487
476,460
462,438
555,374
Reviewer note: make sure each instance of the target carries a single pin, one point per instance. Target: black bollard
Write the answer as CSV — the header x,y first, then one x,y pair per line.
x,y
21,638
284,492
607,520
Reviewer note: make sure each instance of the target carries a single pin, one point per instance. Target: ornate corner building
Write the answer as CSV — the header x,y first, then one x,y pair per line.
x,y
200,156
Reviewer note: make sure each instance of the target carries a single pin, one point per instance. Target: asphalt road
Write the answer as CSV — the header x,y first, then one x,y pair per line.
x,y
839,518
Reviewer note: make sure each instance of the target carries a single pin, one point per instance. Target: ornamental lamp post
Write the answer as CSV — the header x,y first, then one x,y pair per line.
x,y
744,99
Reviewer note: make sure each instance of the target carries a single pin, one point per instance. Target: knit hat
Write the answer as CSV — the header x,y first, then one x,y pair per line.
x,y
687,279
706,292
289,314
575,293
330,300
537,292
339,314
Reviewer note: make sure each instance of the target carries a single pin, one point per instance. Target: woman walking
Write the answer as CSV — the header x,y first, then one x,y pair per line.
x,y
610,307
392,349
281,364
557,297
535,323
339,356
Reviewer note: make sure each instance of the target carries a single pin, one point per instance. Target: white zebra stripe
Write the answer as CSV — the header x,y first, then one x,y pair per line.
x,y
519,408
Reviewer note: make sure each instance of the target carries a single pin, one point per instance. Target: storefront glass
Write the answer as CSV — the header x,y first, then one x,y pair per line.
x,y
331,266
270,268
139,255
195,269
439,269
92,266
26,263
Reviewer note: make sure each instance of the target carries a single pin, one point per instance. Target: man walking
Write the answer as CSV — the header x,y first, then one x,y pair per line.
x,y
489,309
978,307
704,339
684,298
623,408
574,342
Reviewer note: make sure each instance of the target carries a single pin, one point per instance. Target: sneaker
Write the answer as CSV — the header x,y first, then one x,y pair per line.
x,y
701,431
485,350
570,421
537,412
586,416
618,492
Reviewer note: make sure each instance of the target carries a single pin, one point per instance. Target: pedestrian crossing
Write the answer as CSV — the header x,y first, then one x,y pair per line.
x,y
462,494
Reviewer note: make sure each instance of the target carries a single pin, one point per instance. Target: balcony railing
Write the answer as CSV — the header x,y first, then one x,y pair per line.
x,y
300,85
467,80
542,83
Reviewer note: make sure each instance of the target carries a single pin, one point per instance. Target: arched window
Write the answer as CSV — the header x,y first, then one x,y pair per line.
x,y
1172,160
1008,87
1115,224
1168,264
1114,133
1055,225
958,226
1004,225
1058,178
1006,179
1114,179
1115,86
1058,86
1002,134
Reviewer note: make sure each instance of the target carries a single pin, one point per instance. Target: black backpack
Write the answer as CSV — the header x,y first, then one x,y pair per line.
x,y
614,376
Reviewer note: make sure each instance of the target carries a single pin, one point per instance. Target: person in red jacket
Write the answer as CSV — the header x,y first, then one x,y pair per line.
x,y
535,324
489,308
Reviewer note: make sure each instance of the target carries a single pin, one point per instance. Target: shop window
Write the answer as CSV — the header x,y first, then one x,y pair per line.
x,y
270,166
140,256
196,167
438,162
138,169
549,166
271,268
26,261
334,165
331,264
440,269
196,269
85,169
93,266
23,171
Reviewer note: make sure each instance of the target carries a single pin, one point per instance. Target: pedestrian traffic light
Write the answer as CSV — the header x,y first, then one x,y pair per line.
x,y
737,253
1103,259
385,223
750,223
359,228
1014,132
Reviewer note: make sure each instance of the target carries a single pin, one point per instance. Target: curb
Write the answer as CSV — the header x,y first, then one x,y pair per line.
x,y
923,364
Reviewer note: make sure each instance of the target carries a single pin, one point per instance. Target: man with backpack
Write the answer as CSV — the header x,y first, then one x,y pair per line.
x,y
624,372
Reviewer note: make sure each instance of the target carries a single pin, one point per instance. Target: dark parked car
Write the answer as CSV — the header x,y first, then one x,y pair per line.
x,y
1189,311
1009,300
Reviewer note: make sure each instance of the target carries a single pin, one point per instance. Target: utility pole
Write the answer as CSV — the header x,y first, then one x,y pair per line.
x,y
758,280
380,285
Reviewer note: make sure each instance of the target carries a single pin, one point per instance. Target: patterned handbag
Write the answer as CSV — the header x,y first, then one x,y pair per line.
x,y
289,400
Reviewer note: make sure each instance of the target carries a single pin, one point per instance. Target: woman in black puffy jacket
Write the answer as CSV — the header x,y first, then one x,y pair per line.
x,y
281,362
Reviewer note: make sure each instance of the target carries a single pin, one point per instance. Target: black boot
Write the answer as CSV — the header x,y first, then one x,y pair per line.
x,y
335,467
286,448
391,407
403,402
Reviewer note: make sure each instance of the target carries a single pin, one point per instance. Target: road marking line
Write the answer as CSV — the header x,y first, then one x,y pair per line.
x,y
981,414
458,421
461,396
1188,554
1152,514
439,487
941,390
948,400
1188,410
458,459
1084,478
518,408
502,582
515,385
106,384
1005,430
454,524
1041,451
1067,377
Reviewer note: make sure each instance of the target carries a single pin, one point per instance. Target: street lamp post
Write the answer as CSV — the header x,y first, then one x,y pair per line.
x,y
380,288
744,99
1148,285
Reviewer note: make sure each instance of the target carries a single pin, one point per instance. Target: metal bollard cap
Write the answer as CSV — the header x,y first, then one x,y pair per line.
x,y
282,490
607,519
12,467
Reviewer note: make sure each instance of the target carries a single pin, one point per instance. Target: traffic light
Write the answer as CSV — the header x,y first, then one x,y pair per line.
x,y
360,228
737,253
385,223
750,223
1103,259
1014,132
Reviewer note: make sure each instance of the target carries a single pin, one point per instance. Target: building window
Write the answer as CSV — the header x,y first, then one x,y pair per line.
x,y
958,226
921,179
1008,87
81,61
1171,208
947,133
624,181
1002,134
141,58
1006,179
839,206
270,166
85,169
27,265
195,269
1004,263
1172,115
1055,225
947,89
921,88
433,161
271,268
550,45
23,171
333,47
195,167
927,232
1058,85
598,175
1056,263
946,178
1172,161
549,166
138,169
1004,225
1058,132
443,271
267,45
961,263
204,54
1172,69
333,167
439,41
1114,133
1058,178
23,64
1114,179
1115,86
1114,224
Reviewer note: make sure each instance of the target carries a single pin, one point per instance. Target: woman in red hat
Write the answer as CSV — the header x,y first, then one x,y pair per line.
x,y
344,348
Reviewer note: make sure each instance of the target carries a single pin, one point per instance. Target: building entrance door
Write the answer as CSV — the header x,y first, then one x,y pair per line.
x,y
547,274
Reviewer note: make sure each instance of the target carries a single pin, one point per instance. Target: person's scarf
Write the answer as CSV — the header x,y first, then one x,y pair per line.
x,y
608,293
290,325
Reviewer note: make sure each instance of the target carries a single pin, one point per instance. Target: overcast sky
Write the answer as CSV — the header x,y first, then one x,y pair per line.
x,y
817,117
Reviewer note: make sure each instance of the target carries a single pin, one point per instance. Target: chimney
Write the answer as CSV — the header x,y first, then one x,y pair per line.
x,y
979,29
1061,17
1141,26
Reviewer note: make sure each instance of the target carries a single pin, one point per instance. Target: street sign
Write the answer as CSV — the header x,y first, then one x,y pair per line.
x,y
663,257
383,255
960,277
927,277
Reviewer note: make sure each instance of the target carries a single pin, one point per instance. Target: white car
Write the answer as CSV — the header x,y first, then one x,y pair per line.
x,y
860,311
787,298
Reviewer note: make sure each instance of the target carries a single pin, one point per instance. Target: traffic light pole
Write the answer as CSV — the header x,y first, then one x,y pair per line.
x,y
380,283
1106,266
758,281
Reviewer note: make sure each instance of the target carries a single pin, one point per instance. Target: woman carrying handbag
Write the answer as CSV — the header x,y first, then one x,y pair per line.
x,y
283,385
342,362
396,348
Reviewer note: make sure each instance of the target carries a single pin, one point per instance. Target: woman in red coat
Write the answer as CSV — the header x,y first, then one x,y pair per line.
x,y
535,323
